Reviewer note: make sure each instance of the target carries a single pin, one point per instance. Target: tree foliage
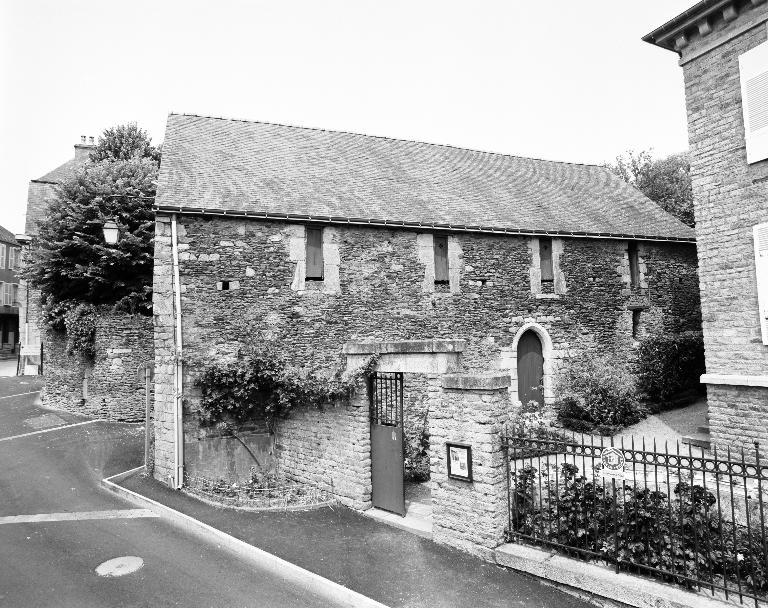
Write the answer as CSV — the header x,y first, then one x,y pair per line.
x,y
124,142
70,260
666,181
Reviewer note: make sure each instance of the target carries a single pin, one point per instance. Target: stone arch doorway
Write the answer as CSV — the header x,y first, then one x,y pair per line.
x,y
509,361
530,368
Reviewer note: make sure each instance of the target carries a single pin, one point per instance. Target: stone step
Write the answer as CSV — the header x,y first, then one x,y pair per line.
x,y
698,441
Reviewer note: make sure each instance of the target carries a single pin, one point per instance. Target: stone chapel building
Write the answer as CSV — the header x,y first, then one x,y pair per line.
x,y
336,245
723,49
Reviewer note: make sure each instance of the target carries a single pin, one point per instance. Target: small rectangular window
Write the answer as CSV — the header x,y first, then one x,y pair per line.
x,y
441,258
635,324
12,257
634,265
314,254
15,294
2,257
545,259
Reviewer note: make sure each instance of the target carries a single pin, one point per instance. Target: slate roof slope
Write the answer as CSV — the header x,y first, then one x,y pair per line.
x,y
6,236
240,166
60,173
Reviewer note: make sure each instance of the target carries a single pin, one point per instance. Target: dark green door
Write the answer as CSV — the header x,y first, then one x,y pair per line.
x,y
530,369
386,392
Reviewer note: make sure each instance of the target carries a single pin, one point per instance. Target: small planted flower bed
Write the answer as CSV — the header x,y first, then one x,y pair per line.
x,y
260,493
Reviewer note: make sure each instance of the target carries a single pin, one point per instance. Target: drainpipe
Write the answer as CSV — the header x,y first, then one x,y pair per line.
x,y
178,426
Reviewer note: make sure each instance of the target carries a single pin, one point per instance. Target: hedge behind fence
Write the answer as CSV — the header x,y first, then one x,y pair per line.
x,y
669,365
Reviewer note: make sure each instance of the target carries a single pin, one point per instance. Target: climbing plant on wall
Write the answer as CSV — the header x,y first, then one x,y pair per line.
x,y
260,384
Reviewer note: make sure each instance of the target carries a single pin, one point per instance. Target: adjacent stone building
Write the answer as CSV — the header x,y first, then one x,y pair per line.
x,y
723,50
336,246
41,192
9,291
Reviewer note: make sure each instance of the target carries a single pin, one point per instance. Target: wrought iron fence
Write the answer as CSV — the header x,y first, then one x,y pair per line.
x,y
679,514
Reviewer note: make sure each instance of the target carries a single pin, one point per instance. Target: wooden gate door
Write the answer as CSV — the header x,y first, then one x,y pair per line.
x,y
530,369
386,393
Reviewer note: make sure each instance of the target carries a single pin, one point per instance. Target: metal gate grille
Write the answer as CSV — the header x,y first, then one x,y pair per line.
x,y
387,398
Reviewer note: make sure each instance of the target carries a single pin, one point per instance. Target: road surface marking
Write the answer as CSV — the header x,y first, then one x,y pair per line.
x,y
77,516
120,566
19,395
58,428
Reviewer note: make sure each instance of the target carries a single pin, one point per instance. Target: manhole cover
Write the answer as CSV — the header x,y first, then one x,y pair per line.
x,y
45,421
120,566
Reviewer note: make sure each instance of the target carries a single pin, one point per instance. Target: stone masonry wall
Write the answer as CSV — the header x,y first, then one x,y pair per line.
x,y
730,196
107,387
378,288
329,449
123,342
472,410
738,415
63,374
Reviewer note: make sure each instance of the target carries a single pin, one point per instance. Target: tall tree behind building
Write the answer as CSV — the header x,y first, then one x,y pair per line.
x,y
666,181
70,262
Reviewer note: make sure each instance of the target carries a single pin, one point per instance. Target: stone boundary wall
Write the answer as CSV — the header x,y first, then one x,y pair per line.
x,y
63,374
107,387
123,342
329,449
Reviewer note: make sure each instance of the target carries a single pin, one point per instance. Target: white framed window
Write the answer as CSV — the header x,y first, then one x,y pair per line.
x,y
753,71
13,258
2,256
6,294
761,271
14,294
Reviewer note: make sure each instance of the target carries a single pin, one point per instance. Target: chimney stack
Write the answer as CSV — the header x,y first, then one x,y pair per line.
x,y
82,149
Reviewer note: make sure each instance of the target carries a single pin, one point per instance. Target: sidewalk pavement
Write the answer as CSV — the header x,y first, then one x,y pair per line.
x,y
391,566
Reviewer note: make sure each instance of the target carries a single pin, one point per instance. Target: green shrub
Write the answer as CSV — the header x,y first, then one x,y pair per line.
x,y
669,365
80,324
260,384
676,537
596,394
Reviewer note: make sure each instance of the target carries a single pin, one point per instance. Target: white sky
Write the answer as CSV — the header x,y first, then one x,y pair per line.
x,y
562,79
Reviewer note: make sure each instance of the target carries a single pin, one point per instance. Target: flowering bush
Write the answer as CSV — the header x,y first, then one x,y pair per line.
x,y
596,394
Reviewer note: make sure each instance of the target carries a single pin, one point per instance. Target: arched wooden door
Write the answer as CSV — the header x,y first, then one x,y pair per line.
x,y
530,368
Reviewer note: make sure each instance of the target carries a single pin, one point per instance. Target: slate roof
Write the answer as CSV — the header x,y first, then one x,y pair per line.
x,y
6,236
60,173
254,168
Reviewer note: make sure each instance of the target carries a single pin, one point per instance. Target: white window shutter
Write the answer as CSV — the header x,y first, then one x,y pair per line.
x,y
753,70
761,270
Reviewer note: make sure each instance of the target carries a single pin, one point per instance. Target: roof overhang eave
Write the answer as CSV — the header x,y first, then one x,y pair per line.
x,y
406,225
664,36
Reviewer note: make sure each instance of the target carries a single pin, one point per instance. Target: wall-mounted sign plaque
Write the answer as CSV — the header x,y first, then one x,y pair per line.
x,y
459,461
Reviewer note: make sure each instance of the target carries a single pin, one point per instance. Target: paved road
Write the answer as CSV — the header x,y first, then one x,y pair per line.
x,y
52,477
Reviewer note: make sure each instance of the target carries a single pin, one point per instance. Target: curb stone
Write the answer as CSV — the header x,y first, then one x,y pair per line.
x,y
281,568
601,581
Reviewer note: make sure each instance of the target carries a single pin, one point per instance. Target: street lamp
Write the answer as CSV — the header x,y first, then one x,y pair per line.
x,y
111,233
